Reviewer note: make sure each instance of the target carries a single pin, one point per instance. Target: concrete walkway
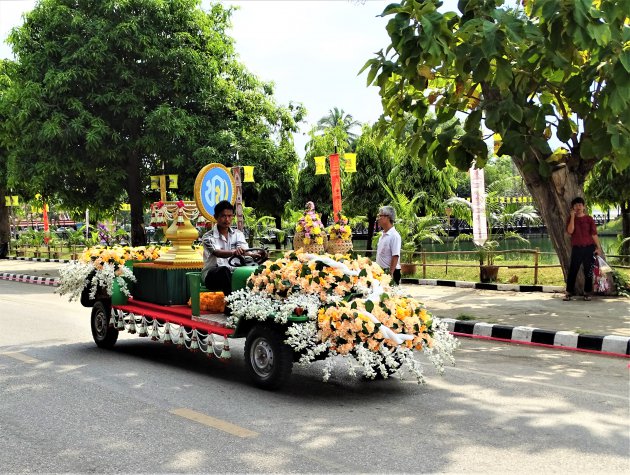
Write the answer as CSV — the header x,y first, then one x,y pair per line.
x,y
602,324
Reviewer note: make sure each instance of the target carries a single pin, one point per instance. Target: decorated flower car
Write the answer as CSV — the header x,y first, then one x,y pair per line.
x,y
299,308
303,307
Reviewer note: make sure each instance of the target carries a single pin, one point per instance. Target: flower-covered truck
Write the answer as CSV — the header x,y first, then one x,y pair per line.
x,y
297,309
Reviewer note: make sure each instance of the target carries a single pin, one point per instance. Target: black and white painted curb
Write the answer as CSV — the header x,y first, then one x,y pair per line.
x,y
30,279
479,286
37,259
611,344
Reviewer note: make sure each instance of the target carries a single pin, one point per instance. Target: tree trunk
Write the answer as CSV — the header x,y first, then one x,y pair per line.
x,y
370,231
278,219
5,227
134,187
553,198
625,230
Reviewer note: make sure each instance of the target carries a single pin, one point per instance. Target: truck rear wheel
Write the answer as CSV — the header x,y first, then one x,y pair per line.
x,y
269,360
104,335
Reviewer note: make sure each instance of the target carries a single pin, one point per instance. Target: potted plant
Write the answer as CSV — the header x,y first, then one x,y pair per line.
x,y
75,238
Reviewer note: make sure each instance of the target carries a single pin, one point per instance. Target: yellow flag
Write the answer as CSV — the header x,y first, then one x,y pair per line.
x,y
320,165
172,181
155,182
7,200
351,162
248,174
497,142
125,207
15,200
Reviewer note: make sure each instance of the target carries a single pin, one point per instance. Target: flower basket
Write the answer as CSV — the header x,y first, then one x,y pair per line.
x,y
339,246
312,247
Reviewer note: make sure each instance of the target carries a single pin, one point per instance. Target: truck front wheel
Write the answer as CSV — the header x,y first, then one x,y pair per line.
x,y
104,335
269,360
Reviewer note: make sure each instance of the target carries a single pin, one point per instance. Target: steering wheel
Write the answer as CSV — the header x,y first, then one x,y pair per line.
x,y
245,260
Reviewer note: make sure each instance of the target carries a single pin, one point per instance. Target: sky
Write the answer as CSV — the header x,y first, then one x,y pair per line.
x,y
311,50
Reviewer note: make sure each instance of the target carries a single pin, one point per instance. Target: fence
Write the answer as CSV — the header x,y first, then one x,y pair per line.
x,y
425,260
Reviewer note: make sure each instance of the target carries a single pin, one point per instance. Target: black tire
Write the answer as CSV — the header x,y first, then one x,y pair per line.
x,y
104,334
268,359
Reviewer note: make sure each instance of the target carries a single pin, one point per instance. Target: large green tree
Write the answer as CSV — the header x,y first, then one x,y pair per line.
x,y
539,70
107,92
5,229
365,193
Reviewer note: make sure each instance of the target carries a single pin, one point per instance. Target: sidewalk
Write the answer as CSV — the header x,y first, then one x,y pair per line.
x,y
601,325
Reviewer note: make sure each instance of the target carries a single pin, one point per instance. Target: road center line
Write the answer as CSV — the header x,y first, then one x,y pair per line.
x,y
213,422
24,358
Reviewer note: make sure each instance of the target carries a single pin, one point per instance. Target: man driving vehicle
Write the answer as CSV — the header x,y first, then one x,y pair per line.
x,y
219,245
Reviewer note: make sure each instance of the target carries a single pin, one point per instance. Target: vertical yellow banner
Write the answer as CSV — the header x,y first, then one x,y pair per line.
x,y
320,165
248,174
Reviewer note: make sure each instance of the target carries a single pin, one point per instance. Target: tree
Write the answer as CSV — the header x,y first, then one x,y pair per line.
x,y
607,187
5,229
108,92
364,193
338,118
550,69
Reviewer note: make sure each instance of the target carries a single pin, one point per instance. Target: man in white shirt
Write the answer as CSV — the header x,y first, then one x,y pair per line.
x,y
219,244
389,244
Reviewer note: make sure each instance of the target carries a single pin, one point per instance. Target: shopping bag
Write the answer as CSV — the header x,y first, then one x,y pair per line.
x,y
604,268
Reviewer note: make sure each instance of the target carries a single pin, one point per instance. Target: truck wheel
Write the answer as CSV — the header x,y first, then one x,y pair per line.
x,y
104,335
269,360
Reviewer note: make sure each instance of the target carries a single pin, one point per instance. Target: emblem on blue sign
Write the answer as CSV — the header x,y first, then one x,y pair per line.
x,y
214,183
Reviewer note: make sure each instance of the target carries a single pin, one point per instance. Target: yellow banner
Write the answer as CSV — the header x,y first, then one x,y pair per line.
x,y
351,162
11,200
320,165
172,181
248,174
155,182
125,207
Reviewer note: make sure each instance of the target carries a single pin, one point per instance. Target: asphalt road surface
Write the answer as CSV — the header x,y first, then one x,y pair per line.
x,y
67,406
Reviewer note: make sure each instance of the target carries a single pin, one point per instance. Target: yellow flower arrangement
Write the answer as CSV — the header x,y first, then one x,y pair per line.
x,y
344,321
341,229
311,225
349,310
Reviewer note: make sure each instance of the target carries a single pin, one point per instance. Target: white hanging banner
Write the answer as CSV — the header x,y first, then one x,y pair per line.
x,y
478,199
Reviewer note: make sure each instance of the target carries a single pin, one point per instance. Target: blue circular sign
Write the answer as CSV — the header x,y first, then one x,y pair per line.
x,y
214,183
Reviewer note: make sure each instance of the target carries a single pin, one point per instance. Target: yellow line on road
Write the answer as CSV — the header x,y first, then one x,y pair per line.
x,y
213,422
24,358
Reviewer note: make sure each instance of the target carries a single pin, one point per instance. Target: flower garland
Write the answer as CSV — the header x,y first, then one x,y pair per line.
x,y
101,266
311,225
351,312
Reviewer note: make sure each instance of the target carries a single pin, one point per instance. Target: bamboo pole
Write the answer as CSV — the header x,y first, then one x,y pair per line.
x,y
537,251
424,265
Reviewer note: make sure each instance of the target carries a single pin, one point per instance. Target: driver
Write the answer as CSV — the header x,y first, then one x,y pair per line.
x,y
219,244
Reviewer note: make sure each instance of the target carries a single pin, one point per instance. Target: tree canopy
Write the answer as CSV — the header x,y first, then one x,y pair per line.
x,y
107,92
541,70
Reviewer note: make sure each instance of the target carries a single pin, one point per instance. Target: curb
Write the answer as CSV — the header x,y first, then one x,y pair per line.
x,y
30,279
612,345
479,286
37,259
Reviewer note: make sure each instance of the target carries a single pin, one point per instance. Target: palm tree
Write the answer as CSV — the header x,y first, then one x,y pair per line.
x,y
338,118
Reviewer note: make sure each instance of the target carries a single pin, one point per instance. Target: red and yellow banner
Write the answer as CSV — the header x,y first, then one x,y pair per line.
x,y
335,181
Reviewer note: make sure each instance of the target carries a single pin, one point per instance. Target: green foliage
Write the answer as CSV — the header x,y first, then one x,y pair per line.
x,y
106,93
549,69
413,229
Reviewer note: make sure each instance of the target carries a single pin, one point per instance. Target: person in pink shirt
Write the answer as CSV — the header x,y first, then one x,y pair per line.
x,y
584,245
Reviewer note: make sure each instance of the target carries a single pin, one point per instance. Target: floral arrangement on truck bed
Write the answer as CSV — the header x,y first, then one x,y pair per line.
x,y
101,266
351,310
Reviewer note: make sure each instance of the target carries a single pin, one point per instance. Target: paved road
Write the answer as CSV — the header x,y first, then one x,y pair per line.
x,y
67,406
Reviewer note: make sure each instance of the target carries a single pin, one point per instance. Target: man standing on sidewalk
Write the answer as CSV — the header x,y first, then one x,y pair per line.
x,y
389,244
